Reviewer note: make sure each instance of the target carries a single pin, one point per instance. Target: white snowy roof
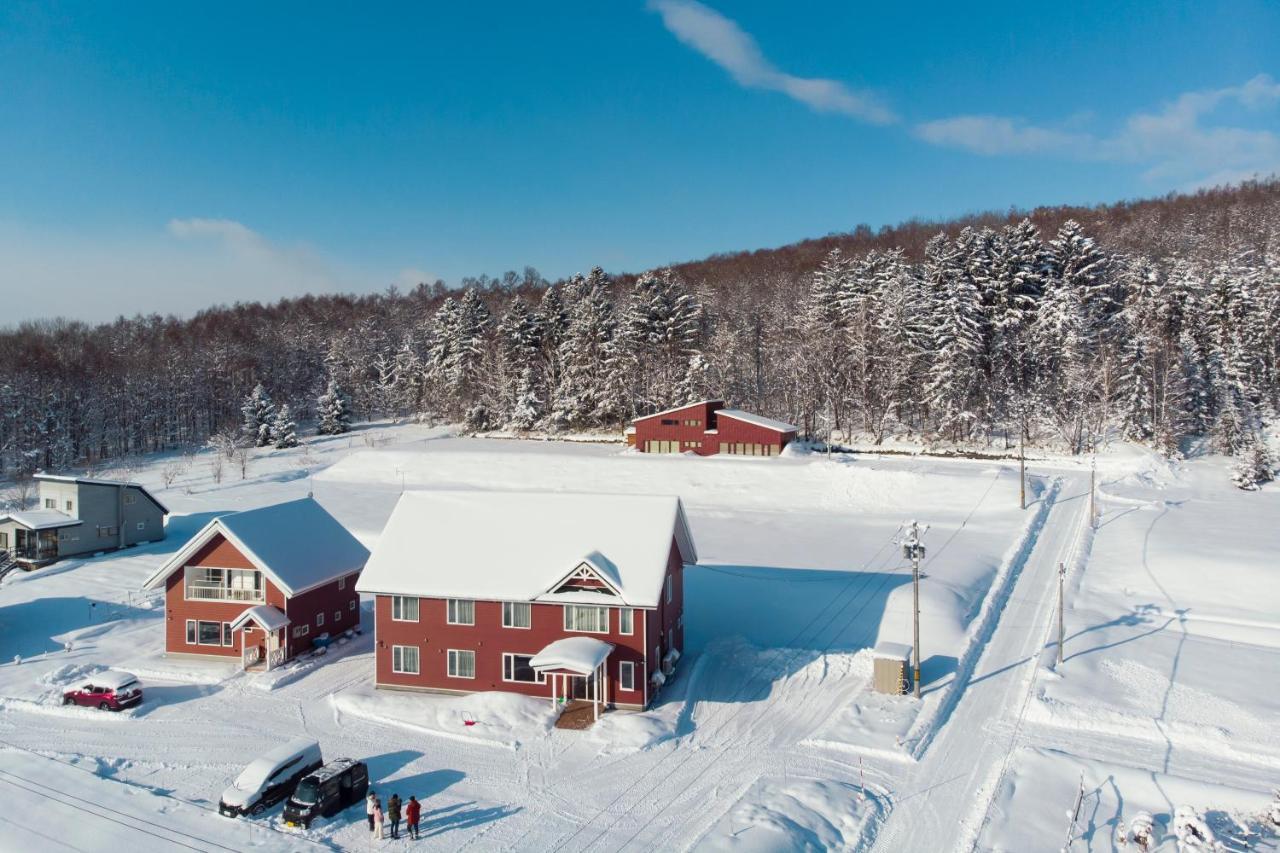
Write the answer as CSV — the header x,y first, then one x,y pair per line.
x,y
678,409
758,420
297,544
892,651
270,618
40,519
94,481
575,654
521,546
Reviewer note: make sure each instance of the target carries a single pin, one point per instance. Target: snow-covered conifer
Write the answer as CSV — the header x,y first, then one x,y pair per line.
x,y
258,414
284,432
334,408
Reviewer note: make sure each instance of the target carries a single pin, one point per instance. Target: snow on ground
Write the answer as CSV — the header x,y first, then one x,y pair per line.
x,y
1034,807
762,739
1174,625
802,572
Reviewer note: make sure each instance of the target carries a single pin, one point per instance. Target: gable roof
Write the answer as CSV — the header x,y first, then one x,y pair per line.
x,y
297,544
758,420
93,481
520,546
680,408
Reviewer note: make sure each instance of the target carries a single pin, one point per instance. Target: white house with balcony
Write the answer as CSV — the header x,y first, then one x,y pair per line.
x,y
261,584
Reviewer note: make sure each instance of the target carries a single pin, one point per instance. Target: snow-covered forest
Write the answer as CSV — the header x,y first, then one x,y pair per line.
x,y
1156,321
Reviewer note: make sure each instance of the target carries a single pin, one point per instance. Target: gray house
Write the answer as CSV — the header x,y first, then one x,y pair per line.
x,y
80,515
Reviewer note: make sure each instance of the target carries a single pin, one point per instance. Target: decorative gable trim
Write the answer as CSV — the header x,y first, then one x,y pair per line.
x,y
591,571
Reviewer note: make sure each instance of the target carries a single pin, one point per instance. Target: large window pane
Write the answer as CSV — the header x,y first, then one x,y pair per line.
x,y
404,608
462,664
210,633
516,614
579,617
462,611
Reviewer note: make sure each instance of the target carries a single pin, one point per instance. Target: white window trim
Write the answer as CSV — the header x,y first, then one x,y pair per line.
x,y
193,632
342,583
623,627
539,678
337,616
320,619
607,620
451,604
513,605
352,604
403,599
450,657
301,631
402,670
629,668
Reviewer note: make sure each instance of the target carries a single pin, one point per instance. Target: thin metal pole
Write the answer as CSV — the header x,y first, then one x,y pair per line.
x,y
1062,576
1022,471
1093,475
915,581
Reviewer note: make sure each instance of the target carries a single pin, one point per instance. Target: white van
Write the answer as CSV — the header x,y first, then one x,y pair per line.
x,y
271,778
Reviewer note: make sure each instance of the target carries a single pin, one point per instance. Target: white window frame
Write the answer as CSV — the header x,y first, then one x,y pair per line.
x,y
301,631
342,582
509,611
142,525
574,608
193,633
626,621
453,656
538,677
401,603
228,637
626,675
320,619
452,611
352,605
401,669
337,616
196,623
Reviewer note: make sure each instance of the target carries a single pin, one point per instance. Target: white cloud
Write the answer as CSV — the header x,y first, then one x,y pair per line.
x,y
995,135
725,43
1179,141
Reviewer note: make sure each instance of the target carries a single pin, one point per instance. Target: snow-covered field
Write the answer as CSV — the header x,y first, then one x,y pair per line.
x,y
769,738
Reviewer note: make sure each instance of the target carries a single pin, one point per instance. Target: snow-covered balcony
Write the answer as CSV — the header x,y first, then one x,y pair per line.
x,y
205,584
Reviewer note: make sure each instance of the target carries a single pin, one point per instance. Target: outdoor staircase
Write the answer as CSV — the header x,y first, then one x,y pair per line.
x,y
7,563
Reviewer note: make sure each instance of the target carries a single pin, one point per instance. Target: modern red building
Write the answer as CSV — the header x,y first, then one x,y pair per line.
x,y
259,585
565,596
707,428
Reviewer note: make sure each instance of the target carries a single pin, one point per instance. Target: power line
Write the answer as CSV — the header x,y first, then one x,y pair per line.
x,y
256,826
724,708
867,600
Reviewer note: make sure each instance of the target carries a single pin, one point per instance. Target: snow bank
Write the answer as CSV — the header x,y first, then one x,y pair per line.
x,y
500,719
794,814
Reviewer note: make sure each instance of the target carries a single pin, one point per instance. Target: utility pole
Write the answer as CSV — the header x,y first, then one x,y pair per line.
x,y
1022,469
914,551
1093,479
1062,631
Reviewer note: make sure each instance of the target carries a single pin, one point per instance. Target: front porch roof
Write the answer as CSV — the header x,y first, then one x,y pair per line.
x,y
40,519
579,655
267,617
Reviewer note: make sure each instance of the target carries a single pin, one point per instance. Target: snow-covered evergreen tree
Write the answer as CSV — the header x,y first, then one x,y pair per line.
x,y
1253,466
334,409
258,413
955,371
284,432
663,325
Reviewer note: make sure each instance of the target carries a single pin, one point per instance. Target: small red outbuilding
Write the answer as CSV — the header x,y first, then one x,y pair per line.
x,y
707,428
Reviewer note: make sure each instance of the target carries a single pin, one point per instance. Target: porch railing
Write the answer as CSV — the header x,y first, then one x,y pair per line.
x,y
206,591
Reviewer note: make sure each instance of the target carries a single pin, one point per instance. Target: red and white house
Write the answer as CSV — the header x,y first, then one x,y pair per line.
x,y
566,596
707,428
258,585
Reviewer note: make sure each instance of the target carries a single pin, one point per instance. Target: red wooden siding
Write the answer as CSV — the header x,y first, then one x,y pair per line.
x,y
434,637
301,609
697,438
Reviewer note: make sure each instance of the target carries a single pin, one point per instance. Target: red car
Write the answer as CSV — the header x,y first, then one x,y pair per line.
x,y
110,691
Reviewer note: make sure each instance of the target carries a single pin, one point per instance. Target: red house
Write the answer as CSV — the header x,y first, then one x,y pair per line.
x,y
707,428
259,585
567,596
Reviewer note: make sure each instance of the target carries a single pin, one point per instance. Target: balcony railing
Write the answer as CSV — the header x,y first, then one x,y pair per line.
x,y
205,591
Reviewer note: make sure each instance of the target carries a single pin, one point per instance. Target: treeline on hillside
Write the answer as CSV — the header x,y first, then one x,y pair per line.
x,y
1157,320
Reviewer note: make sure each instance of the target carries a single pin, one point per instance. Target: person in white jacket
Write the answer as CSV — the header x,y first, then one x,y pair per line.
x,y
369,803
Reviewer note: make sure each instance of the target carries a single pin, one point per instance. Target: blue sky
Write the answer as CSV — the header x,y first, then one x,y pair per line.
x,y
162,157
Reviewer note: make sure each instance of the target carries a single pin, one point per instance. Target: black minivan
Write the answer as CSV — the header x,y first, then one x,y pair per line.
x,y
327,791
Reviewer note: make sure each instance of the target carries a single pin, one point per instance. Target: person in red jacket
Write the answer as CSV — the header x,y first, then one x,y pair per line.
x,y
412,811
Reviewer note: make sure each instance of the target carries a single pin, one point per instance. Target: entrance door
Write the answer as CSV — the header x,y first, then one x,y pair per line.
x,y
582,687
